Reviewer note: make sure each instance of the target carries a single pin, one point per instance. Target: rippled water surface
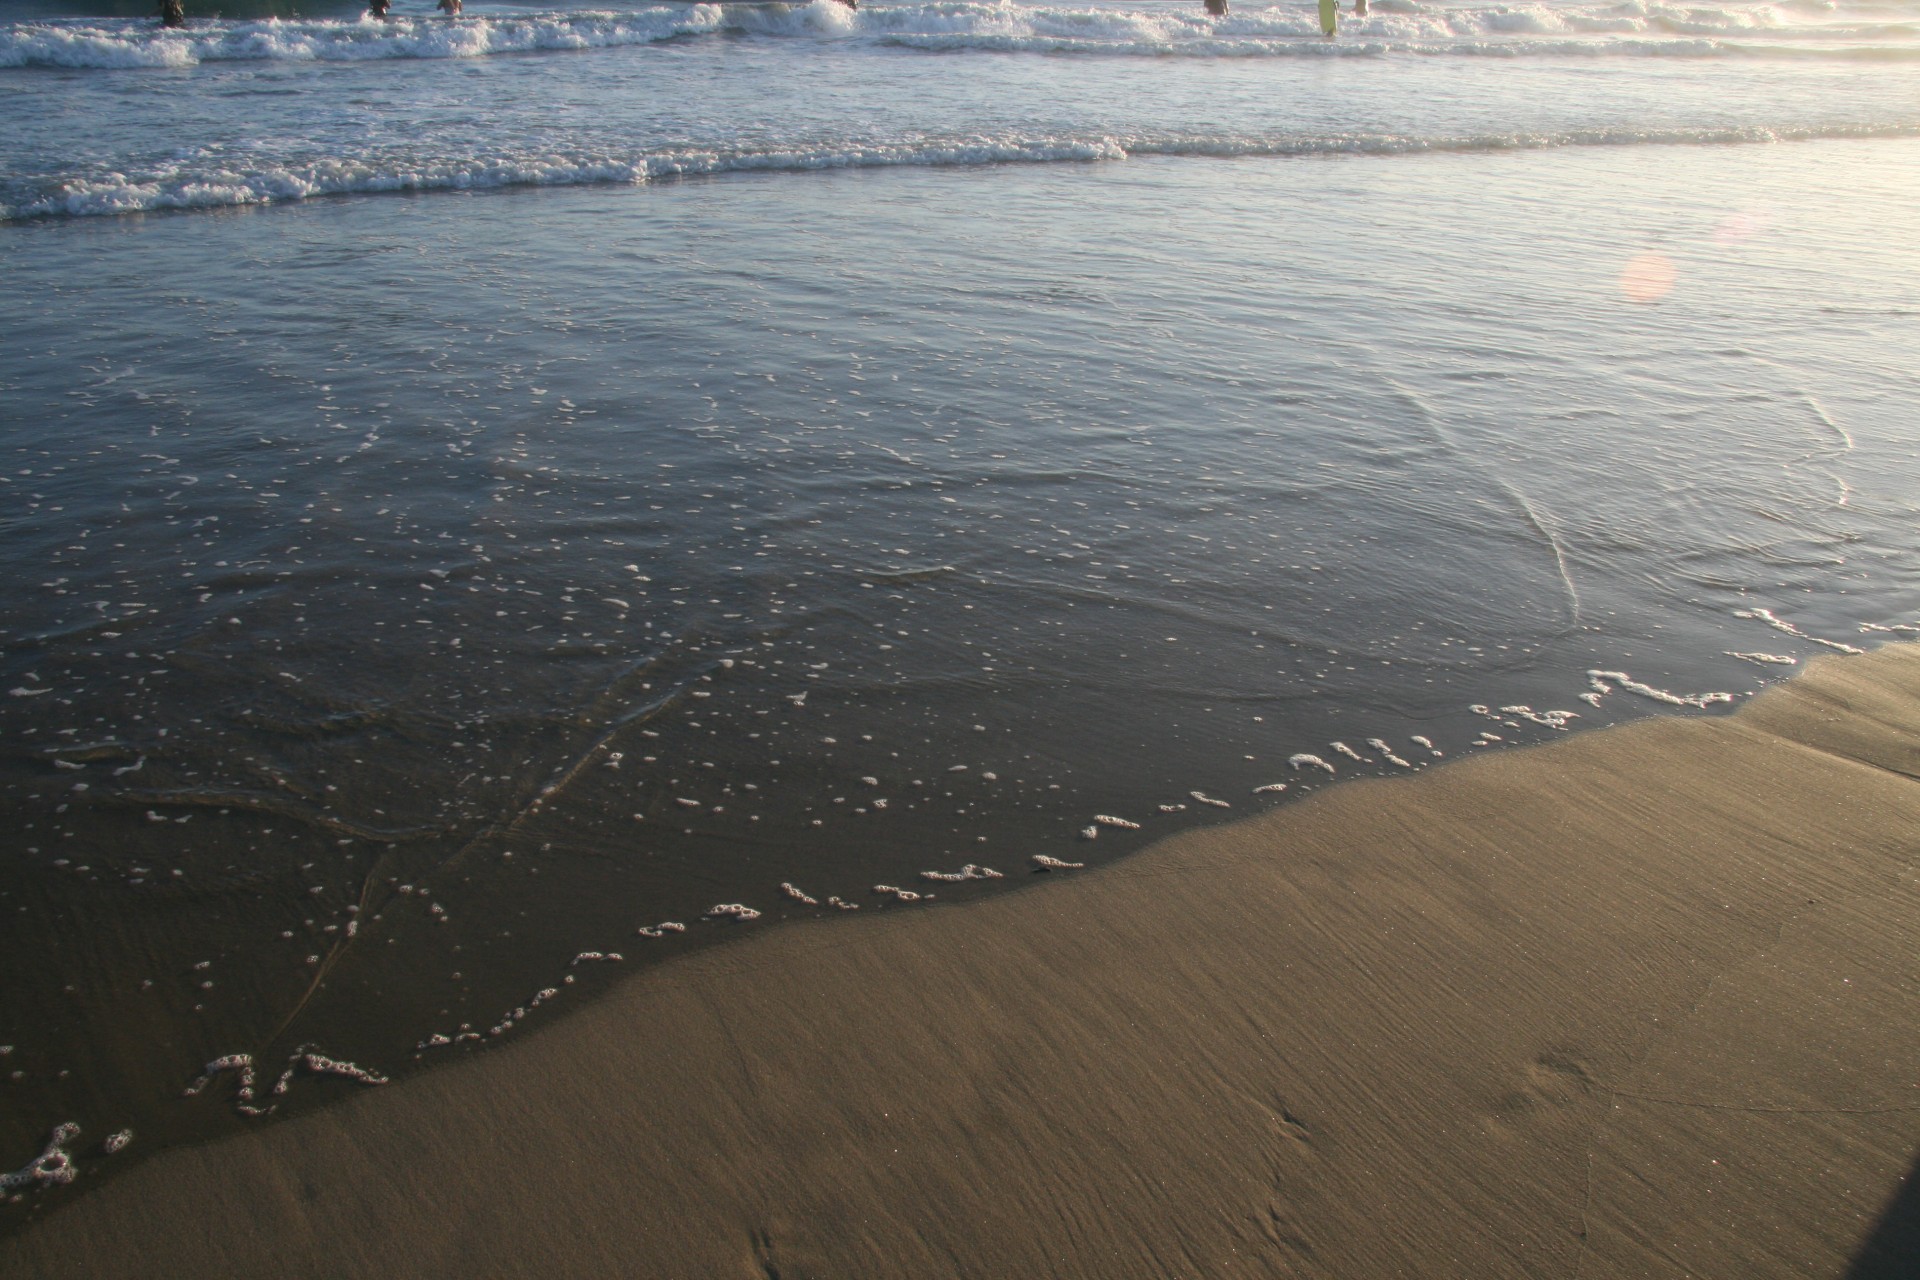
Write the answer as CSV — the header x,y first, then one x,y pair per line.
x,y
1037,415
246,111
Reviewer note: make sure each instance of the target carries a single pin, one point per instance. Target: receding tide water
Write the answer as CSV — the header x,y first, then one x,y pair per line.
x,y
1058,413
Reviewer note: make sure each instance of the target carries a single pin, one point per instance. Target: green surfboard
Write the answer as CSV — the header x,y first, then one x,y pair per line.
x,y
1329,9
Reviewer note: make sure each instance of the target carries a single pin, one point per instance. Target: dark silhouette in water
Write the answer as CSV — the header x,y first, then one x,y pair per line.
x,y
449,7
1359,8
378,8
173,13
1218,8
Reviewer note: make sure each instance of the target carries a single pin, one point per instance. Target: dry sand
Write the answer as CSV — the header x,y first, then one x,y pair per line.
x,y
1641,1002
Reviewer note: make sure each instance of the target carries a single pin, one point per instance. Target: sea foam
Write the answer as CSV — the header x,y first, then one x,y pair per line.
x,y
1284,30
186,185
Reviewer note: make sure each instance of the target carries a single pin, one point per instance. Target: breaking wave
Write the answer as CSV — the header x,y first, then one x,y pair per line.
x,y
225,188
1629,29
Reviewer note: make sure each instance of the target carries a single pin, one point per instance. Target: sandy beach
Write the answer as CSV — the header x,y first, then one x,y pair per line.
x,y
1637,1003
990,638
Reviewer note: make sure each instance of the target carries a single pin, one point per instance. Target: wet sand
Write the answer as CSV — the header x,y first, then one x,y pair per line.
x,y
1639,1002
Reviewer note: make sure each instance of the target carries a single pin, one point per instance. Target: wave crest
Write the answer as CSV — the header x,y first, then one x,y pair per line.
x,y
220,188
1631,29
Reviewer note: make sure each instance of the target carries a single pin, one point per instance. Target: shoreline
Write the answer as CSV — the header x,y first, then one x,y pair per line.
x,y
1633,1002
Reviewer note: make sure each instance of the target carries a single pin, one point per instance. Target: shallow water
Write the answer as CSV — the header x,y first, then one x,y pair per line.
x,y
494,572
252,111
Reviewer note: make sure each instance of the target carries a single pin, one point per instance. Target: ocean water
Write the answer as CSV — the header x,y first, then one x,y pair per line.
x,y
475,490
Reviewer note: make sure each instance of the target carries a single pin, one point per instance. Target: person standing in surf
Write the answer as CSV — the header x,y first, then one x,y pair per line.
x,y
173,13
449,7
378,8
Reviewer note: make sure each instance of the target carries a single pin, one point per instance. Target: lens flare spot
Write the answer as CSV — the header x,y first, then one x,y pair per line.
x,y
1648,277
1736,227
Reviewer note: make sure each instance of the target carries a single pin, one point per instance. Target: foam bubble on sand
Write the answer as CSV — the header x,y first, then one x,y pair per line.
x,y
1089,832
1108,820
303,1057
1551,719
1428,744
731,911
1173,808
439,1040
905,895
1203,798
1307,760
662,929
1765,659
1386,752
968,872
241,1062
1348,752
1782,625
516,1014
1271,786
1620,679
320,1064
52,1167
1045,863
117,1142
797,894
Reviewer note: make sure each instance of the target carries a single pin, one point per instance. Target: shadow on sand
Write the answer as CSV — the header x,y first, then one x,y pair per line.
x,y
1892,1252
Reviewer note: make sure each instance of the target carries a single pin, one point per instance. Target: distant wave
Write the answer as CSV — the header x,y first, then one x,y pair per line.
x,y
219,188
1628,29
120,44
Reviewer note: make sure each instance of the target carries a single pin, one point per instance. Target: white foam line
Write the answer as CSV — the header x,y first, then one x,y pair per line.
x,y
224,188
968,872
1551,719
1782,625
1502,31
1826,420
99,45
52,1167
303,1057
1600,688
